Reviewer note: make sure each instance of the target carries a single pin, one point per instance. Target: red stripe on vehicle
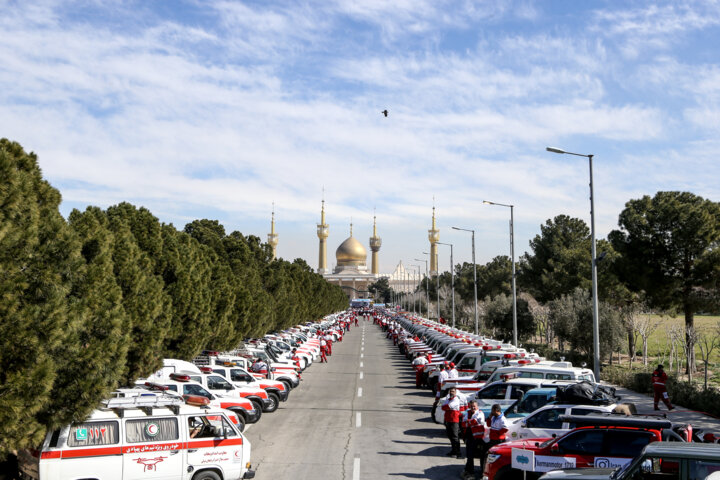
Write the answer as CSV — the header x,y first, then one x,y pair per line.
x,y
90,452
214,442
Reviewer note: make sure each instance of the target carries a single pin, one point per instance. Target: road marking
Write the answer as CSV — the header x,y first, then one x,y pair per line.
x,y
361,364
361,375
360,392
362,355
356,468
362,349
358,420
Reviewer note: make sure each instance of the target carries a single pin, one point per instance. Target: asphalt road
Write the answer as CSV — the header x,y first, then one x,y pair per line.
x,y
357,417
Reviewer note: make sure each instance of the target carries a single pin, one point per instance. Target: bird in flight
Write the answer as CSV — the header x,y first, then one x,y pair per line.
x,y
384,112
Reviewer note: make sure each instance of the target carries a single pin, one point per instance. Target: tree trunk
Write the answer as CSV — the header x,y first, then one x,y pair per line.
x,y
645,359
631,345
689,324
706,374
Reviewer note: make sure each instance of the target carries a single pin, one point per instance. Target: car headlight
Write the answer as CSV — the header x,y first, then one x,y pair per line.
x,y
492,457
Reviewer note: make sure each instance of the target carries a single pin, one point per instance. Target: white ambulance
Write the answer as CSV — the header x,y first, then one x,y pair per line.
x,y
143,438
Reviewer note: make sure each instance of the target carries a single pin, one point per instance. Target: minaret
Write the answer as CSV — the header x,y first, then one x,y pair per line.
x,y
323,231
272,236
375,243
434,237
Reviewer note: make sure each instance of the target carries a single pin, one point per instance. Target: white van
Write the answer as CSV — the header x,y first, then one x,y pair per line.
x,y
554,371
143,438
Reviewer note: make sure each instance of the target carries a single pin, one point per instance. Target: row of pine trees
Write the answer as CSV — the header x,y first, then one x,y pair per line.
x,y
96,301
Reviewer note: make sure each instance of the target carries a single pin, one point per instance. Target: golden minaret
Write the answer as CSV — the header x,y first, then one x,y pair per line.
x,y
375,244
434,237
272,236
323,231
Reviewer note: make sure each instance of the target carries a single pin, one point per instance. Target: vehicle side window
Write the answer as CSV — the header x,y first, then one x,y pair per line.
x,y
702,469
626,443
151,430
584,442
549,418
54,439
195,390
218,383
172,387
494,392
581,411
467,362
90,434
656,469
237,375
558,376
209,426
517,392
530,375
219,371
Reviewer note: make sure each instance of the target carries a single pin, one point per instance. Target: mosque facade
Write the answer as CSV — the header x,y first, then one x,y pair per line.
x,y
351,271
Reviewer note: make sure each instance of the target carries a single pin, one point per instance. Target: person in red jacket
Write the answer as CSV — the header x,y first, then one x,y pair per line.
x,y
659,378
472,424
498,426
451,407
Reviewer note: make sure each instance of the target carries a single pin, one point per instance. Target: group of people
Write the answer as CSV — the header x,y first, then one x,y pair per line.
x,y
464,420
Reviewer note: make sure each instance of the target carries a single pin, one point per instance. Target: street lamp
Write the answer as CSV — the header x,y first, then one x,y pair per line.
x,y
415,287
452,279
427,285
512,255
474,273
596,321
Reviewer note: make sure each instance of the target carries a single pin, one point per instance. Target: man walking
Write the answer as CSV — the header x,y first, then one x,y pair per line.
x,y
659,378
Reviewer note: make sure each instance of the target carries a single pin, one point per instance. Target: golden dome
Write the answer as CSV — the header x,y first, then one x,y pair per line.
x,y
351,252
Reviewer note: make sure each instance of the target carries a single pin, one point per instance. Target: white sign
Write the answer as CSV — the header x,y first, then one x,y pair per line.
x,y
611,462
523,459
545,463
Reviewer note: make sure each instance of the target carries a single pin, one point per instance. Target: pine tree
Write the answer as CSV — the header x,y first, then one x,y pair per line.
x,y
38,255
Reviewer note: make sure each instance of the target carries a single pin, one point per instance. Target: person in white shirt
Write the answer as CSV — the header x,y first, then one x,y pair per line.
x,y
452,373
419,364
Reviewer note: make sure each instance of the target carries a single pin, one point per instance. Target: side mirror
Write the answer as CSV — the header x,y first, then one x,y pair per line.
x,y
523,424
555,448
228,387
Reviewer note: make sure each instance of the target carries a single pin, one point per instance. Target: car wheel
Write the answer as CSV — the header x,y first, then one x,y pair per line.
x,y
288,385
206,475
274,403
257,404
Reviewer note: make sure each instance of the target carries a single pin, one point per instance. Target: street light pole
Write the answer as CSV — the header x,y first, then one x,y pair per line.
x,y
474,273
512,255
437,281
452,280
415,284
596,320
427,285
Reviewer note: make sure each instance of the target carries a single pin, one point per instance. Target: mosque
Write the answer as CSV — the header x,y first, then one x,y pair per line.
x,y
351,271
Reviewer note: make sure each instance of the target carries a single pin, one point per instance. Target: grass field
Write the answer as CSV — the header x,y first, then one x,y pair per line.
x,y
659,341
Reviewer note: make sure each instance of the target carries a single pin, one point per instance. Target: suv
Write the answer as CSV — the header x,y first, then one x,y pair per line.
x,y
659,460
610,441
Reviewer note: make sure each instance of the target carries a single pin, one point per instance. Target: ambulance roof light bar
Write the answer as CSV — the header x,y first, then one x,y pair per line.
x,y
144,403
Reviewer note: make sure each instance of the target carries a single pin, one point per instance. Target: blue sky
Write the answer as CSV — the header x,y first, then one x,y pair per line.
x,y
217,109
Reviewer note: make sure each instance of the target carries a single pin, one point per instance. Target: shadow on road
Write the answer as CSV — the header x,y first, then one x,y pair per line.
x,y
426,432
440,472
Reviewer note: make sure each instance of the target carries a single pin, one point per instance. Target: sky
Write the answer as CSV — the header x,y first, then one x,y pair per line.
x,y
218,109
